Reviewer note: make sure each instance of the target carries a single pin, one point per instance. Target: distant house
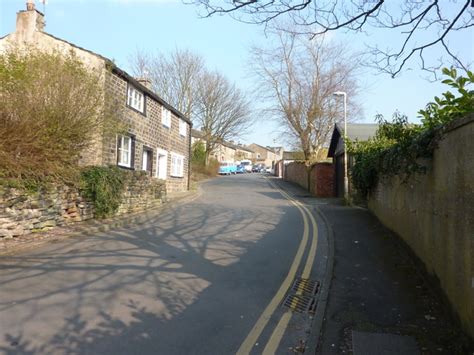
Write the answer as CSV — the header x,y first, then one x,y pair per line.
x,y
224,151
159,136
361,132
267,156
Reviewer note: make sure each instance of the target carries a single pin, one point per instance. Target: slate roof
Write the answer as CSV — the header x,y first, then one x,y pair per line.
x,y
355,131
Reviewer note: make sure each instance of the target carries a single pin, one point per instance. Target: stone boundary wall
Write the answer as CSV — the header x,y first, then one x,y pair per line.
x,y
320,181
434,214
24,213
297,172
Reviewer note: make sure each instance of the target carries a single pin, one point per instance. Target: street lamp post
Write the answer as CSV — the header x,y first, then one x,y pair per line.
x,y
346,177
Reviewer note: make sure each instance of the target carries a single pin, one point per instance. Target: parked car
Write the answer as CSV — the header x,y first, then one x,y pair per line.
x,y
247,164
258,168
240,169
226,168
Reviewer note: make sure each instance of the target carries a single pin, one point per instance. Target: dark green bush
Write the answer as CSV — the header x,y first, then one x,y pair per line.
x,y
398,146
104,187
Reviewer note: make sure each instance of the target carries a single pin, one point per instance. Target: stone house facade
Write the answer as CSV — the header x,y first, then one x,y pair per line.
x,y
267,156
158,137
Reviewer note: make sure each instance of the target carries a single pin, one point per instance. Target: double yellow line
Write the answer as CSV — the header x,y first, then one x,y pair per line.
x,y
279,331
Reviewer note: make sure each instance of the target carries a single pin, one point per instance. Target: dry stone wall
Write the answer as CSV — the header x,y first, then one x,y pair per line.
x,y
23,213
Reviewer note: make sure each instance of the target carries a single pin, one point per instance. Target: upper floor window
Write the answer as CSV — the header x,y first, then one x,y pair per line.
x,y
165,117
136,99
182,127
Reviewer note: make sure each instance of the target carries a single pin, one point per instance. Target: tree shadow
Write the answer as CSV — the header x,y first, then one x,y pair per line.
x,y
132,289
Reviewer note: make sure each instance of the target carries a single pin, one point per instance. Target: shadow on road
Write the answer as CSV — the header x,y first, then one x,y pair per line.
x,y
131,290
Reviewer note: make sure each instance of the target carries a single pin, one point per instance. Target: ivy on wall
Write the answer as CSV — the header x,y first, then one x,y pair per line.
x,y
104,187
398,146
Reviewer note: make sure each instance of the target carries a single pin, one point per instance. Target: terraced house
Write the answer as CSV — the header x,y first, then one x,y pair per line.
x,y
158,138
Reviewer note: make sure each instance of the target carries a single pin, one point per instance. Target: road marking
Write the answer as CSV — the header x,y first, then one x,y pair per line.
x,y
280,329
262,321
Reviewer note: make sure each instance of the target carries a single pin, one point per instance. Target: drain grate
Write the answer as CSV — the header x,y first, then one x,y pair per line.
x,y
305,286
300,303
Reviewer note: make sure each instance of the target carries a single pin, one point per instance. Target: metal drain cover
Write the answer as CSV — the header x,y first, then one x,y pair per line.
x,y
300,303
305,286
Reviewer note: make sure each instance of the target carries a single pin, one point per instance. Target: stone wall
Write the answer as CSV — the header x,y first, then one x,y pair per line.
x,y
320,181
24,213
434,214
142,193
297,172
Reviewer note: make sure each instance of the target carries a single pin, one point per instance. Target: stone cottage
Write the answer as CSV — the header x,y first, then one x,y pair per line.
x,y
267,156
159,136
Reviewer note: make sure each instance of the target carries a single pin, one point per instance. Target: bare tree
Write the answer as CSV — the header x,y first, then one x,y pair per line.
x,y
298,78
421,25
222,111
174,77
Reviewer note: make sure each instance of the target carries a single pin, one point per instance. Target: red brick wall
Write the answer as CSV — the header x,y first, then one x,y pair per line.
x,y
321,175
322,180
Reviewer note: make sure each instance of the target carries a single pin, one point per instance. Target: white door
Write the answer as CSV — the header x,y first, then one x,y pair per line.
x,y
161,164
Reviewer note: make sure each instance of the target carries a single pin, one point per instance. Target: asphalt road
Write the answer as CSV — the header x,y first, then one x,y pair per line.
x,y
205,277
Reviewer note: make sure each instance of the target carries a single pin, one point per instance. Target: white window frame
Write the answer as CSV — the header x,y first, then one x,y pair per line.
x,y
161,170
165,117
182,127
121,150
177,165
136,99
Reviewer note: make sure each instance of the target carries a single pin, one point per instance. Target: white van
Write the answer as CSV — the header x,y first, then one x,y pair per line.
x,y
247,164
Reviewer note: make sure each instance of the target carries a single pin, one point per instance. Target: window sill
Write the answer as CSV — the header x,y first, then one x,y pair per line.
x,y
125,167
137,111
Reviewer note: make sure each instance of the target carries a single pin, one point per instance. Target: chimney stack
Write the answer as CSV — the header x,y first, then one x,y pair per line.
x,y
144,81
29,21
30,5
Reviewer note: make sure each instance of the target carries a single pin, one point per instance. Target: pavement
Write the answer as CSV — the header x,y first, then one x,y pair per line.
x,y
380,299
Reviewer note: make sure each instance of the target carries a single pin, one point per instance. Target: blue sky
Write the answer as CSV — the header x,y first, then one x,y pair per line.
x,y
116,28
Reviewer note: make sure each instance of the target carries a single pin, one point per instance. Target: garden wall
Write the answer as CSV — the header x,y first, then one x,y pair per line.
x,y
297,172
434,214
24,213
321,177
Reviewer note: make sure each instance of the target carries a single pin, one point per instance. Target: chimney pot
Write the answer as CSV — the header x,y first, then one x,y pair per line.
x,y
30,5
